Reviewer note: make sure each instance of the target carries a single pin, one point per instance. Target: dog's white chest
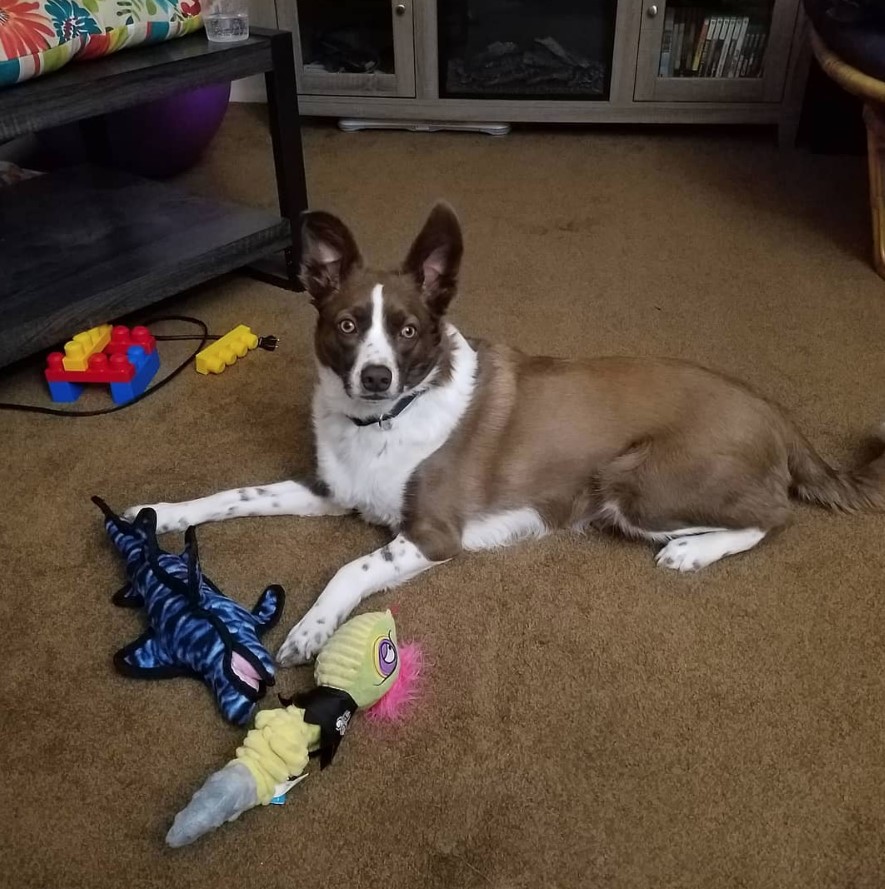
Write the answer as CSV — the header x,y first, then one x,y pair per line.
x,y
368,468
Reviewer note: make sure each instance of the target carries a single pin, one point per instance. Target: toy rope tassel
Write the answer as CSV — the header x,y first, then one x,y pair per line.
x,y
360,666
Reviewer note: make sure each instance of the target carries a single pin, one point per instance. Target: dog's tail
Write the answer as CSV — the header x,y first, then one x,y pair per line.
x,y
855,490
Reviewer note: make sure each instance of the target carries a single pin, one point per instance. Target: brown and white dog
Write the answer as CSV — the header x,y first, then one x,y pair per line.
x,y
460,445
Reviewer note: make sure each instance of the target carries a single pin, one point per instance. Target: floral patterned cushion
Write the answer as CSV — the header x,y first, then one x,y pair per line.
x,y
37,36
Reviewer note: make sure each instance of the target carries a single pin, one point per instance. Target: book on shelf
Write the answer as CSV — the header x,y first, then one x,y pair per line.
x,y
752,40
716,47
737,49
759,57
697,44
691,35
704,47
666,45
710,46
727,40
678,34
722,46
751,65
728,47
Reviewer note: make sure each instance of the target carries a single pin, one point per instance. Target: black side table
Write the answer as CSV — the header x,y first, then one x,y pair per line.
x,y
83,246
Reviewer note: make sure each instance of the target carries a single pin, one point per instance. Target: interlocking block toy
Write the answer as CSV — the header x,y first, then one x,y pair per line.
x,y
221,354
128,373
90,342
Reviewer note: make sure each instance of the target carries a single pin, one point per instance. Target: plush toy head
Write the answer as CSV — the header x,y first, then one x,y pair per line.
x,y
364,659
361,658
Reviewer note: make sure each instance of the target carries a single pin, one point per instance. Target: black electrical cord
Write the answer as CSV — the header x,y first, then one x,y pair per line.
x,y
268,342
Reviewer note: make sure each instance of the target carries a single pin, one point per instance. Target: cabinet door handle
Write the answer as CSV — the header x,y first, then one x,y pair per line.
x,y
652,11
400,9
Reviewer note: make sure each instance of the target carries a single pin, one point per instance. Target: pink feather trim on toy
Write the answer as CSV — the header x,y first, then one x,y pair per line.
x,y
403,693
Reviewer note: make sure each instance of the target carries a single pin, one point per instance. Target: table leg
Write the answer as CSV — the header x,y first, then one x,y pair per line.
x,y
875,121
288,154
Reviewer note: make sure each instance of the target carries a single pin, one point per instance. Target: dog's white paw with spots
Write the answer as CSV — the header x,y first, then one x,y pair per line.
x,y
685,554
306,639
700,550
132,512
169,516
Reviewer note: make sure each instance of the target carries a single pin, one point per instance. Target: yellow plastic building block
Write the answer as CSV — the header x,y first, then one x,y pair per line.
x,y
84,345
221,354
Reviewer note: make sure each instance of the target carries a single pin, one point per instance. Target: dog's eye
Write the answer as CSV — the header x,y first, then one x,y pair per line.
x,y
409,331
345,325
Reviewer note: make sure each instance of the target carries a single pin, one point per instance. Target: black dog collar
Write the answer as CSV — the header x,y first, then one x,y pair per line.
x,y
384,421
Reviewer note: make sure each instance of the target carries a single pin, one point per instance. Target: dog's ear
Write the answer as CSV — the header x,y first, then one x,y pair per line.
x,y
329,254
435,257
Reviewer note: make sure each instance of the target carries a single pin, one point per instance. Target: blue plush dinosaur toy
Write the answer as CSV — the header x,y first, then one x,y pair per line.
x,y
195,630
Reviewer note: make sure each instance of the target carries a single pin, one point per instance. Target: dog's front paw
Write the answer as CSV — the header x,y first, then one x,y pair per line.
x,y
305,639
170,516
132,512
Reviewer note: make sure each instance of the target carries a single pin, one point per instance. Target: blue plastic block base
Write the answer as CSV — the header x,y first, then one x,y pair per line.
x,y
65,392
121,393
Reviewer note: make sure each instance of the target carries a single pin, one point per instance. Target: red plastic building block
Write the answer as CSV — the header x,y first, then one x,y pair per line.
x,y
122,338
102,369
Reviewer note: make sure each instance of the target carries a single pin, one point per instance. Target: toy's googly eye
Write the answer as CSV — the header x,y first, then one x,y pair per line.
x,y
385,656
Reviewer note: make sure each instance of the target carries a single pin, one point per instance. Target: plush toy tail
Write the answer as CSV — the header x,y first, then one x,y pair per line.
x,y
225,795
405,691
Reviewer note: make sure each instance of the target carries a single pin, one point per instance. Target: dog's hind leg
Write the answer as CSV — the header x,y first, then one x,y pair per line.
x,y
691,553
282,498
701,506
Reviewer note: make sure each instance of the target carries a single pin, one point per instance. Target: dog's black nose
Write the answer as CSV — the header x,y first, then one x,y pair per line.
x,y
376,378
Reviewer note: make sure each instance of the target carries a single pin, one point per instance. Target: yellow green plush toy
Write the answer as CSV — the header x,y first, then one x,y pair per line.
x,y
360,666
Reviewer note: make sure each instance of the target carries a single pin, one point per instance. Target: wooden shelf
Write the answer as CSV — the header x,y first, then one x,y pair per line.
x,y
83,246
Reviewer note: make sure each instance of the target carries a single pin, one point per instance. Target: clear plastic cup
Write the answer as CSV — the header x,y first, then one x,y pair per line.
x,y
226,21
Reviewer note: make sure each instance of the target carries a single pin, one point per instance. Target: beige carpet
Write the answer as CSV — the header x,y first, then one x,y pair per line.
x,y
589,721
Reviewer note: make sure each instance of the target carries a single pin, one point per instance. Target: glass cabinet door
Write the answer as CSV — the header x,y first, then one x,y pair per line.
x,y
714,50
518,49
353,47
